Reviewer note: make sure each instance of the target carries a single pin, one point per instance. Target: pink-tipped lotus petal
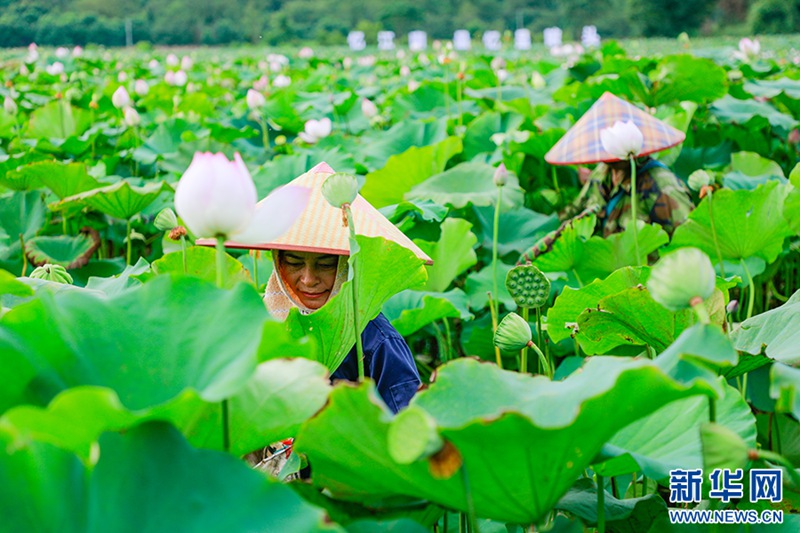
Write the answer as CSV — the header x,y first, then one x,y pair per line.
x,y
274,215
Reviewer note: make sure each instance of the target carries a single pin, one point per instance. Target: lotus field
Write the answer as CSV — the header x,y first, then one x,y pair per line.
x,y
139,368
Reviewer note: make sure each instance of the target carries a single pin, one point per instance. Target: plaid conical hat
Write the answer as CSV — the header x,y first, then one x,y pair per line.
x,y
581,144
319,227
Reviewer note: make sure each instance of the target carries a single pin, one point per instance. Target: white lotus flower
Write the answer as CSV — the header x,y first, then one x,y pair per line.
x,y
186,63
622,140
141,88
153,64
281,80
217,198
10,106
172,60
405,71
748,49
255,100
120,98
169,77
55,69
131,117
77,51
62,52
316,130
306,53
180,78
261,84
122,77
369,108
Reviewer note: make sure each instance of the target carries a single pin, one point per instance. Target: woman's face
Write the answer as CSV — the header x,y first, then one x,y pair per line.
x,y
309,275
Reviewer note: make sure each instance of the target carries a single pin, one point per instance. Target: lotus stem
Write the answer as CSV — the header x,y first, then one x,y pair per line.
x,y
542,360
644,484
183,251
700,310
714,233
498,359
635,212
458,102
128,242
751,296
24,255
448,337
473,524
255,268
540,337
523,354
264,132
446,92
495,233
226,433
601,503
712,409
359,348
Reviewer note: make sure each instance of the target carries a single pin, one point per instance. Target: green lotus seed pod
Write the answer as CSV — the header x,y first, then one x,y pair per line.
x,y
699,179
681,277
513,333
340,189
56,273
165,220
528,286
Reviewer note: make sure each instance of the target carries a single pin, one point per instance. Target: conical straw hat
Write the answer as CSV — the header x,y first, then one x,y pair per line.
x,y
319,227
581,144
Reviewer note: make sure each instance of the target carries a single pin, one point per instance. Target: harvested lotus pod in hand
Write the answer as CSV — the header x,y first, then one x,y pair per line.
x,y
528,286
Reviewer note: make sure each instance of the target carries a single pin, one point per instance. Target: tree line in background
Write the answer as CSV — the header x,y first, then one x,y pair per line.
x,y
274,22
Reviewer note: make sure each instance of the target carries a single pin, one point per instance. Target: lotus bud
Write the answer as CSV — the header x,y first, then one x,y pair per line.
x,y
10,106
255,100
306,53
165,219
538,81
732,306
369,108
528,286
622,140
502,75
722,448
131,117
77,51
261,84
153,64
405,71
141,88
699,179
513,333
340,189
62,52
315,130
172,60
180,78
122,77
56,273
23,70
500,175
120,98
681,279
281,80
55,69
186,63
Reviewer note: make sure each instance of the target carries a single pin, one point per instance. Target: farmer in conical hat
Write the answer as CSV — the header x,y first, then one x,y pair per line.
x,y
310,262
662,198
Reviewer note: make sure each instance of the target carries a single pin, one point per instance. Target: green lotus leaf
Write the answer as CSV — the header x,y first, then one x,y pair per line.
x,y
148,479
480,283
67,251
747,223
9,284
21,214
148,344
776,333
57,120
679,78
602,256
467,183
380,146
285,168
63,179
484,413
201,263
669,438
567,252
452,254
406,170
410,311
8,163
271,405
701,351
384,269
630,514
772,88
119,283
783,387
751,114
517,228
477,138
120,200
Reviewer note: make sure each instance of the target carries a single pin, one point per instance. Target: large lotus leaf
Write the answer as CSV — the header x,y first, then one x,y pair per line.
x,y
119,283
751,113
478,136
410,311
784,386
9,163
567,252
380,146
283,169
55,120
776,333
749,170
403,171
791,210
602,256
281,395
384,268
517,228
21,213
201,263
747,223
9,284
65,250
452,254
165,139
467,183
670,437
120,200
485,413
149,479
772,88
700,352
148,344
480,283
680,78
63,179
628,515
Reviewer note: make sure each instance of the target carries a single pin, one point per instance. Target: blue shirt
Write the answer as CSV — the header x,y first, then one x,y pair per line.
x,y
387,360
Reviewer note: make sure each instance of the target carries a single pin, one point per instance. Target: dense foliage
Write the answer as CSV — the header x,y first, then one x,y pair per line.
x,y
135,375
